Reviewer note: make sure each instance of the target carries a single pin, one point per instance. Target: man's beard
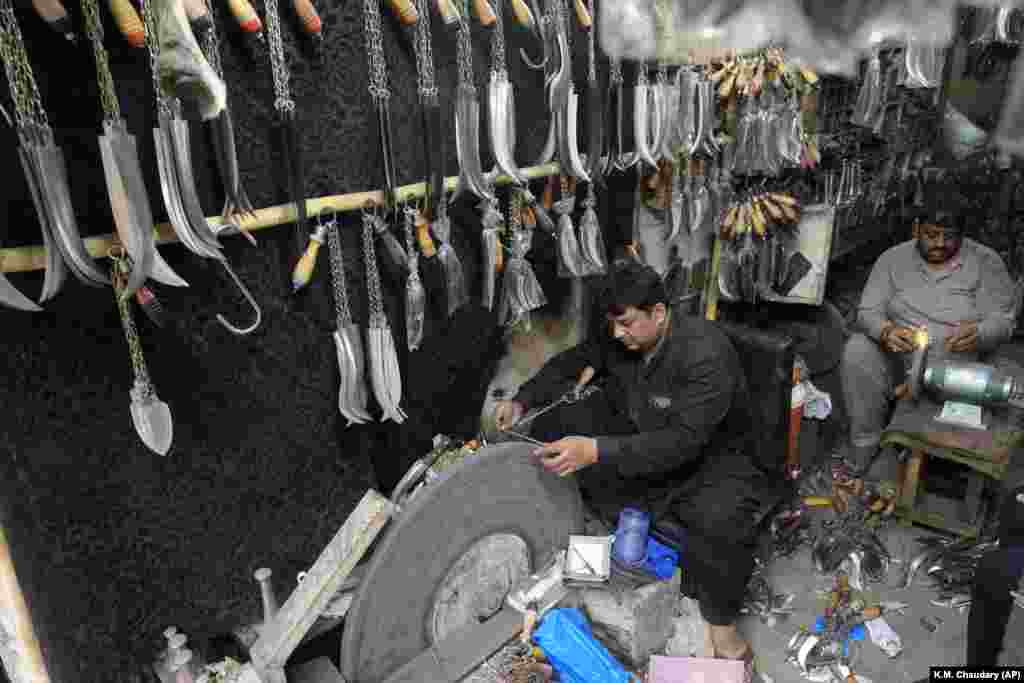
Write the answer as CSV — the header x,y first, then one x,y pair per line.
x,y
939,255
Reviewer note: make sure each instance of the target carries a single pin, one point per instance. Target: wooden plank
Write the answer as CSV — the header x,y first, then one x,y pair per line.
x,y
28,258
19,647
282,635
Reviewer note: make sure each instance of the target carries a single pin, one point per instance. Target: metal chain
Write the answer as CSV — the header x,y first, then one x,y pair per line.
x,y
465,52
591,51
641,74
375,50
565,21
338,275
614,72
499,62
211,43
28,105
410,244
283,101
425,55
165,104
94,29
375,299
131,335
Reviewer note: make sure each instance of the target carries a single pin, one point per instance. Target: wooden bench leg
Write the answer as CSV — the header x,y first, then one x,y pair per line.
x,y
909,481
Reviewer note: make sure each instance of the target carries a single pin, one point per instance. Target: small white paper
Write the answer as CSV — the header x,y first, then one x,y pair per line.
x,y
961,414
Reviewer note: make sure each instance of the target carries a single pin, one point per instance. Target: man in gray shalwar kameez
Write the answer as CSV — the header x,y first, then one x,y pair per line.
x,y
955,288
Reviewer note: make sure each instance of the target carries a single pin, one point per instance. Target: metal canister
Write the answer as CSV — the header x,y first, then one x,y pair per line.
x,y
971,382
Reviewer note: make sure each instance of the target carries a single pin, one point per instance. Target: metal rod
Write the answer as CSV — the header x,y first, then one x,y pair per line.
x,y
29,258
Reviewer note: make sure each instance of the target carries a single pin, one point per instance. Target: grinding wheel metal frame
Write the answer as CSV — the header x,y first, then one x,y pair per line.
x,y
430,557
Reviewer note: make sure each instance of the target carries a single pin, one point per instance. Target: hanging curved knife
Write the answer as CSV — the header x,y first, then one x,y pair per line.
x,y
596,163
501,105
467,124
54,188
56,271
644,102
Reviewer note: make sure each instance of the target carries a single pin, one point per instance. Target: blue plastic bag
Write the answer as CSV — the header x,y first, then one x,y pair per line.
x,y
566,640
661,560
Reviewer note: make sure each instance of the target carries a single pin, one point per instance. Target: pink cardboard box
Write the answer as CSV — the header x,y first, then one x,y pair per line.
x,y
694,670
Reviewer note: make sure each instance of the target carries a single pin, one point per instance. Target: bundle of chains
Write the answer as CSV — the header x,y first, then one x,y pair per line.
x,y
211,44
283,101
28,106
341,306
165,105
375,298
375,51
464,52
499,62
108,96
424,55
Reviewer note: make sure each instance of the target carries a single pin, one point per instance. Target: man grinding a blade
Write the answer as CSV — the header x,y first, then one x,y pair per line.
x,y
942,284
669,433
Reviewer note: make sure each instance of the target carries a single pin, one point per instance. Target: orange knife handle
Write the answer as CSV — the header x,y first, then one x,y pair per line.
x,y
485,13
523,15
128,22
50,10
583,15
246,16
309,17
405,11
195,9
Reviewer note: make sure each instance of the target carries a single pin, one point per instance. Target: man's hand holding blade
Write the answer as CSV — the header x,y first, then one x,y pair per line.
x,y
507,414
899,339
567,455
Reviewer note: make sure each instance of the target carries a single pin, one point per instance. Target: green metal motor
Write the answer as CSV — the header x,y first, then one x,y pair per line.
x,y
971,383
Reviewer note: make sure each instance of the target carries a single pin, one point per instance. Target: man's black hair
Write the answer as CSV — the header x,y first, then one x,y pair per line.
x,y
630,283
943,207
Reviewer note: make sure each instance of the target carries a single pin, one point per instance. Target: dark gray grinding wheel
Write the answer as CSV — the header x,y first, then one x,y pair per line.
x,y
455,550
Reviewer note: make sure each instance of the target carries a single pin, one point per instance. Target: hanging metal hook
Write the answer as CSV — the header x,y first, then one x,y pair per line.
x,y
240,331
540,31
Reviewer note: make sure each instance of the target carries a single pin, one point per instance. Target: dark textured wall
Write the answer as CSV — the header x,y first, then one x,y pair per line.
x,y
113,542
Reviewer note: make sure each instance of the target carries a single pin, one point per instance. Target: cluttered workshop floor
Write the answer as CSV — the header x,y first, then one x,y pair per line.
x,y
929,634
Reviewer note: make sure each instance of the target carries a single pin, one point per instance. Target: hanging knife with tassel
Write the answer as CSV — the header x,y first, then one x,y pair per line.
x,y
415,295
467,121
385,376
352,393
492,222
222,134
133,217
570,261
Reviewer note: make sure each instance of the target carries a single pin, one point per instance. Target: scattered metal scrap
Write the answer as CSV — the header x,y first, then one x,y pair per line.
x,y
950,565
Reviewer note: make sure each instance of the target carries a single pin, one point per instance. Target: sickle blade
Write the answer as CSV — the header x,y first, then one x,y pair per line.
x,y
187,188
54,174
56,271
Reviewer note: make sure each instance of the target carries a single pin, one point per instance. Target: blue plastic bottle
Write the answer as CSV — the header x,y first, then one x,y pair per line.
x,y
630,547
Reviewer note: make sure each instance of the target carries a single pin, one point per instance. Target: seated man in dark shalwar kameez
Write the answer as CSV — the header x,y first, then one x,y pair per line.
x,y
670,433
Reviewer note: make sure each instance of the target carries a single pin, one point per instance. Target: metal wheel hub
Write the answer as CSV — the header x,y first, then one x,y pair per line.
x,y
476,586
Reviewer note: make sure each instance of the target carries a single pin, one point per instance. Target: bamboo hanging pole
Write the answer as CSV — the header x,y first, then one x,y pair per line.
x,y
25,259
22,657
